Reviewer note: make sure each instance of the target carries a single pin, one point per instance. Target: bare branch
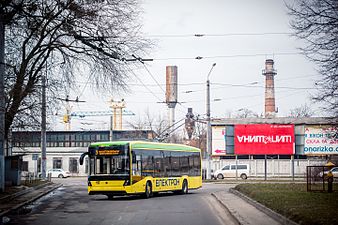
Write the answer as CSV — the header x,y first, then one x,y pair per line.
x,y
316,22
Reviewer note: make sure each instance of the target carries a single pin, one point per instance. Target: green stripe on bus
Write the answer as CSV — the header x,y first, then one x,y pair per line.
x,y
163,146
147,145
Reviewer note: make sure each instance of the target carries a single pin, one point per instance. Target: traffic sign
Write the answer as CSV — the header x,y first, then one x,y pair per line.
x,y
35,156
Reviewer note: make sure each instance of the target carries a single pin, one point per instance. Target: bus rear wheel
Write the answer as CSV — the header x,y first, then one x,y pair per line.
x,y
184,187
148,191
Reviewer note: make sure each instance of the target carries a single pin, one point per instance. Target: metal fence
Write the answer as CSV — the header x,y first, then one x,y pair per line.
x,y
317,179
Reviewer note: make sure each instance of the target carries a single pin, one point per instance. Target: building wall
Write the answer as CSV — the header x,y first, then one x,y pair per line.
x,y
34,165
65,145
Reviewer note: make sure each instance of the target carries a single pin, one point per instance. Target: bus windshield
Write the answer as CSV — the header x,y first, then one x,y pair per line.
x,y
112,160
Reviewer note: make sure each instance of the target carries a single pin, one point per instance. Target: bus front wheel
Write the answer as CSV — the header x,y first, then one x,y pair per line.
x,y
184,187
148,191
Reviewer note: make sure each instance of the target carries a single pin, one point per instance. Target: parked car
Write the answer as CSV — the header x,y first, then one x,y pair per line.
x,y
230,171
334,172
60,173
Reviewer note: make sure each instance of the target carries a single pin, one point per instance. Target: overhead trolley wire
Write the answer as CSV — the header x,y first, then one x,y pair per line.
x,y
228,56
153,77
145,86
200,35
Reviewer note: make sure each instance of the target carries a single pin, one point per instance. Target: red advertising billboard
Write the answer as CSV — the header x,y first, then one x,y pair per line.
x,y
264,139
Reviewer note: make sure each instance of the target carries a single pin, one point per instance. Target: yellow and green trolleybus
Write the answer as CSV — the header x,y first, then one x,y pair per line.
x,y
138,167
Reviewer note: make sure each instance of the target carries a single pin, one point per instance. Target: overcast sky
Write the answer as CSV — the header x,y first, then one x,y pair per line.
x,y
239,35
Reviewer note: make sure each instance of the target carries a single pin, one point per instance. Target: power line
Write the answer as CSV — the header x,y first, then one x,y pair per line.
x,y
141,60
297,77
203,83
153,77
215,35
277,98
146,86
229,56
276,87
84,88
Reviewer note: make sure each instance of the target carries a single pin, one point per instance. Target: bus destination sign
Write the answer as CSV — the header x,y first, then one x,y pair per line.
x,y
107,152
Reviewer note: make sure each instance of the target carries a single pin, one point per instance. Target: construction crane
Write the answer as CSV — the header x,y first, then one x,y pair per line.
x,y
83,114
116,125
116,114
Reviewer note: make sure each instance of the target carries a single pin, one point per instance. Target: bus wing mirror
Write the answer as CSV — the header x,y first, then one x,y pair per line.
x,y
82,157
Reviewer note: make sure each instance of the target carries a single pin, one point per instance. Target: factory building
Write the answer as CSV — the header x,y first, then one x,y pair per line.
x,y
64,147
287,145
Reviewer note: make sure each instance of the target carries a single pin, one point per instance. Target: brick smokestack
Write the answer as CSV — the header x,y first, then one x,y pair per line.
x,y
171,96
269,72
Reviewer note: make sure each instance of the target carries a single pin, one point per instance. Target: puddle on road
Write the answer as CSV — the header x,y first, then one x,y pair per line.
x,y
33,206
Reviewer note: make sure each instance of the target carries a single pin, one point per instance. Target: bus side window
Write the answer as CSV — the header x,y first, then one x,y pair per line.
x,y
166,164
197,164
191,164
137,163
175,164
147,163
184,163
158,163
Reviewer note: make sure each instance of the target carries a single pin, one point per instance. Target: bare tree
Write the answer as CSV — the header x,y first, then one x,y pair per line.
x,y
316,22
301,111
156,123
246,113
199,139
66,38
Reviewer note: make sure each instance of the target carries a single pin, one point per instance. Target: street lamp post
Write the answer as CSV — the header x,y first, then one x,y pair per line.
x,y
208,155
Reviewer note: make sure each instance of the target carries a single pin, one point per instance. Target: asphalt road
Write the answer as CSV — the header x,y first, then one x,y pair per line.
x,y
71,204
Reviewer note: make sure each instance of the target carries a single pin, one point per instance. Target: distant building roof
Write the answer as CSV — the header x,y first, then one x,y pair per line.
x,y
277,120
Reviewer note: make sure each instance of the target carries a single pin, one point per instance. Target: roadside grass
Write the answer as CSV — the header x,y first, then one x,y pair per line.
x,y
34,183
294,202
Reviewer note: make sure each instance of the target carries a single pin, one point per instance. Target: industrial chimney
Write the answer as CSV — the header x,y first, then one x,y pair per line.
x,y
171,93
269,72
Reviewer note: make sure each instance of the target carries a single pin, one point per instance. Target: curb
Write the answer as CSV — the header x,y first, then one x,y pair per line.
x,y
234,218
278,217
53,187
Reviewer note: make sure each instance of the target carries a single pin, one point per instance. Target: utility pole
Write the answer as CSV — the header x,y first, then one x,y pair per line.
x,y
43,128
209,151
2,103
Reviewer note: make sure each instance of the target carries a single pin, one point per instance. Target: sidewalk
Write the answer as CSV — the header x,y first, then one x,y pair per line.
x,y
12,202
247,211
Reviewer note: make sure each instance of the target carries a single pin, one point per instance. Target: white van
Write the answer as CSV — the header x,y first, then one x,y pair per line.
x,y
230,171
60,173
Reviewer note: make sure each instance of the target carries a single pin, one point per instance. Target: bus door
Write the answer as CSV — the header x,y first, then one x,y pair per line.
x,y
136,168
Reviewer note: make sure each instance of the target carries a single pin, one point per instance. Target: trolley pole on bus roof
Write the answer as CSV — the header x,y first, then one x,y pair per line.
x,y
209,146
